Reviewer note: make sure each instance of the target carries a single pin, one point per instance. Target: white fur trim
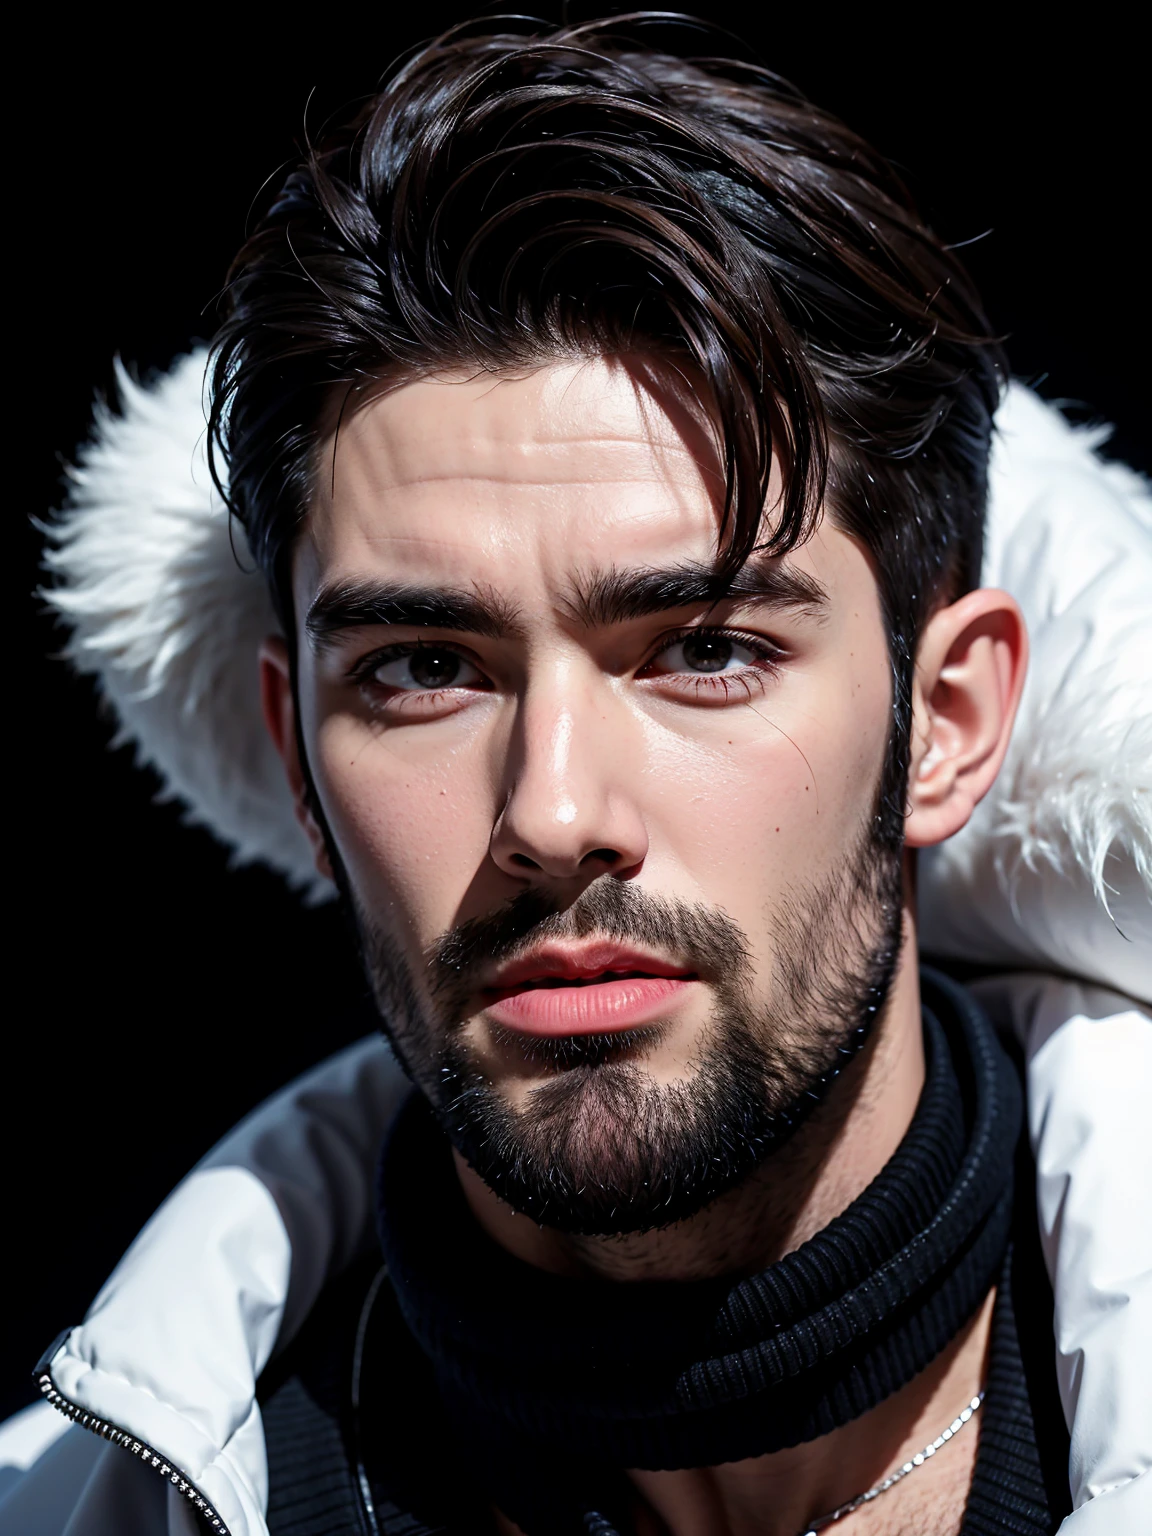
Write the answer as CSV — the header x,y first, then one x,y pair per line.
x,y
1054,869
167,612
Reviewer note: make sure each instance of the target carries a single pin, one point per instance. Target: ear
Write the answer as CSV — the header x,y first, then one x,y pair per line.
x,y
970,669
279,709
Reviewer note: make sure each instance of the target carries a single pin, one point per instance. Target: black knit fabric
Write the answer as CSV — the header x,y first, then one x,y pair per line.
x,y
305,1403
395,1467
499,1384
668,1375
1020,1486
1008,1492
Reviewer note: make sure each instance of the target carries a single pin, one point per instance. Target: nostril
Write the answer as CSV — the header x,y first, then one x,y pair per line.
x,y
523,861
605,855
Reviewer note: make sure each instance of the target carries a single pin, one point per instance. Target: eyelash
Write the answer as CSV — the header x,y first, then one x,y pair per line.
x,y
768,657
751,677
361,671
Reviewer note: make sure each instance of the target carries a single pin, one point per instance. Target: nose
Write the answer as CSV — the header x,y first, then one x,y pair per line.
x,y
570,809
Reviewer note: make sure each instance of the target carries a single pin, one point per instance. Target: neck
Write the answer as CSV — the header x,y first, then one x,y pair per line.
x,y
780,1493
808,1377
798,1191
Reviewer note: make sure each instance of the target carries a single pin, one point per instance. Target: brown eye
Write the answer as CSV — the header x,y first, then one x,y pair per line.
x,y
427,667
705,652
434,669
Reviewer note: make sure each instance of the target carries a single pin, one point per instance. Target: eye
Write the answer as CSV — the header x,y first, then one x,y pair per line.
x,y
423,668
705,652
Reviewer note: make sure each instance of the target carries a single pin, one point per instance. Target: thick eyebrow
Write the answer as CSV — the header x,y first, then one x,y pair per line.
x,y
350,605
615,596
608,597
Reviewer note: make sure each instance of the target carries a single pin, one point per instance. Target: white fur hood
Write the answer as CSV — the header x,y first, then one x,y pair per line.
x,y
165,609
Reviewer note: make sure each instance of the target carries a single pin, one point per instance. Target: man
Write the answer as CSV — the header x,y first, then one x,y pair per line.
x,y
613,436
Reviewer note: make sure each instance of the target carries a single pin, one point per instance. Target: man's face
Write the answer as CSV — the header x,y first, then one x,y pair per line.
x,y
608,838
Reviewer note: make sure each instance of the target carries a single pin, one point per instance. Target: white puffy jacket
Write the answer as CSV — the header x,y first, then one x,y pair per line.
x,y
1053,873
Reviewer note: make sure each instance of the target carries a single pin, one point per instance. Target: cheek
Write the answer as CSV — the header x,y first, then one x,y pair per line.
x,y
411,834
774,798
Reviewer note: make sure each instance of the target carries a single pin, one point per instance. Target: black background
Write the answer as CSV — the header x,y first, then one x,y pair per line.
x,y
156,995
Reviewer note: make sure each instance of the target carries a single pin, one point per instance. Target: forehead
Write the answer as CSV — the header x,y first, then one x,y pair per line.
x,y
480,468
527,482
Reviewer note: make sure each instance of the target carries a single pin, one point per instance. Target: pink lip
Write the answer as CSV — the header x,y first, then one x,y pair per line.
x,y
594,1009
604,994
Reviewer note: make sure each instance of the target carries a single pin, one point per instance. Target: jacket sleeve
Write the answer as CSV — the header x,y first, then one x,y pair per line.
x,y
222,1275
1089,1062
80,1486
314,1147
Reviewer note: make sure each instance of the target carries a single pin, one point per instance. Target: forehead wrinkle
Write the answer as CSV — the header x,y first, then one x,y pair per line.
x,y
511,461
400,459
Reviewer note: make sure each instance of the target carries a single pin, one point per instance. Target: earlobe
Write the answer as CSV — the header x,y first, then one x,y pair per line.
x,y
970,670
279,709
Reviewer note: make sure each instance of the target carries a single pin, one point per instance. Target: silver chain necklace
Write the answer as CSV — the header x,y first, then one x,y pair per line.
x,y
900,1473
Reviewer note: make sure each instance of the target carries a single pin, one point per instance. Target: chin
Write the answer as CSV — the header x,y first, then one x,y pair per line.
x,y
597,1146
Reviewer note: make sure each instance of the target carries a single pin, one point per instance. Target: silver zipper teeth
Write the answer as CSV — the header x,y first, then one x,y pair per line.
x,y
108,1431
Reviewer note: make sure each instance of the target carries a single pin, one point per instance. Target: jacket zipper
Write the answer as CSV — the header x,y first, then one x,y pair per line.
x,y
109,1431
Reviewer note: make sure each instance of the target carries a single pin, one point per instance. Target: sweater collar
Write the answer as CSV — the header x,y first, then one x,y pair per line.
x,y
553,1372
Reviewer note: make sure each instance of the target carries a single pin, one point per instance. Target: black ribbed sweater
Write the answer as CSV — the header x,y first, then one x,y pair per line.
x,y
483,1381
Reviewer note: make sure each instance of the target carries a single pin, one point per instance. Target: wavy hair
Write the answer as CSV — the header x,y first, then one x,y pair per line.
x,y
516,192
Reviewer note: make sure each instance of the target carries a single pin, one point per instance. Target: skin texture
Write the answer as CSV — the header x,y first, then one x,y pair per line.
x,y
569,751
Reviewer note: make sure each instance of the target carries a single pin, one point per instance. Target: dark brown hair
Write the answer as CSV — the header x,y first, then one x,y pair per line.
x,y
512,195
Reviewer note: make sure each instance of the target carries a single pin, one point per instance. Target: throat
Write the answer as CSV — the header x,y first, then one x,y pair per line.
x,y
748,1376
786,1492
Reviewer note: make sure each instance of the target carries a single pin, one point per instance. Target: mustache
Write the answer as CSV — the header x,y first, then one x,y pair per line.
x,y
703,938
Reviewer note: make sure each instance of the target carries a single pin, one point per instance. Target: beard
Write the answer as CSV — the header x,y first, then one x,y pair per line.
x,y
600,1147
